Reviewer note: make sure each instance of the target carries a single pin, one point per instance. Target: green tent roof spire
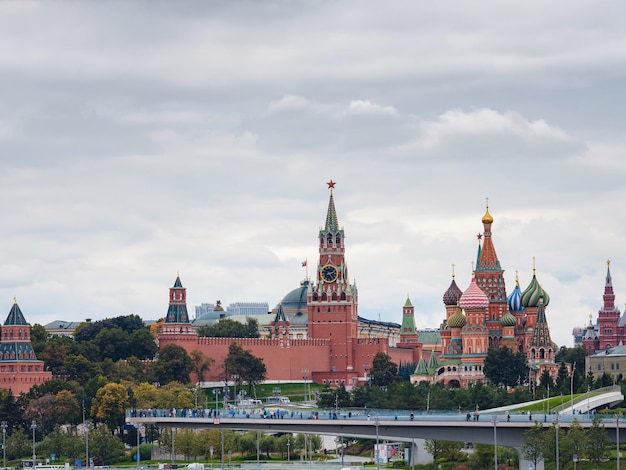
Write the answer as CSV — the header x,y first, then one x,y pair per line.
x,y
332,224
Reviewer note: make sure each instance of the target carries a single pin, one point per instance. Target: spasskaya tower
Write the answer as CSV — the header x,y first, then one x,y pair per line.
x,y
332,300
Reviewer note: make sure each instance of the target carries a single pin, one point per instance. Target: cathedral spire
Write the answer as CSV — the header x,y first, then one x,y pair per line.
x,y
487,258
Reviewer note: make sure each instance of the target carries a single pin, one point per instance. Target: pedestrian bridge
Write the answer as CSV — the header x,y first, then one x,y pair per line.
x,y
380,425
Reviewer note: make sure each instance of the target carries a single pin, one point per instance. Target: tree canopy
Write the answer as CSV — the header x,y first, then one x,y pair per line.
x,y
505,367
229,328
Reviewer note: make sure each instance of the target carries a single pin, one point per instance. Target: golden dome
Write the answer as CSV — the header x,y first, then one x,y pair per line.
x,y
487,219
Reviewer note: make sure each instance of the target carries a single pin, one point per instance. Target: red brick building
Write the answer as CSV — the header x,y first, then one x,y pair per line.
x,y
333,352
19,367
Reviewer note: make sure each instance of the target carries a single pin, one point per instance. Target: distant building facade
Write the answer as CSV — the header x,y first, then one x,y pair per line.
x,y
248,308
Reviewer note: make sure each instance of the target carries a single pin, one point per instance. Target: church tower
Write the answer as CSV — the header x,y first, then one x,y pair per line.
x,y
332,300
490,278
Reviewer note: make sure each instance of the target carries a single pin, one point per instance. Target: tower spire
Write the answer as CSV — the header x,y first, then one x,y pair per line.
x,y
332,224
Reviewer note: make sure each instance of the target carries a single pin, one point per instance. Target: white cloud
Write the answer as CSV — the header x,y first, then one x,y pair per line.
x,y
366,107
484,122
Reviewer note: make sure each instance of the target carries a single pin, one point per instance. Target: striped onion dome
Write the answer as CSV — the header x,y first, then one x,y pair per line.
x,y
456,320
534,292
473,297
508,319
515,299
453,294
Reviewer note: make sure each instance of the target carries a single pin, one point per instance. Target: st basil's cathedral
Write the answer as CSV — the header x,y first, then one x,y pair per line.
x,y
483,317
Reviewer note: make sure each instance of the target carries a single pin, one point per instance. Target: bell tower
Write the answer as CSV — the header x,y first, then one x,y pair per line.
x,y
332,300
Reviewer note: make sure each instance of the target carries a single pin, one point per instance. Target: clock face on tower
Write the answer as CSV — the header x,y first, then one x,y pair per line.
x,y
329,273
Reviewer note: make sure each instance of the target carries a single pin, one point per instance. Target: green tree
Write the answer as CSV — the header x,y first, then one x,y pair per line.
x,y
173,365
533,444
18,445
574,442
184,443
248,368
201,364
384,371
79,368
105,446
143,344
443,449
483,455
174,395
109,405
562,379
38,337
229,328
598,442
549,445
505,367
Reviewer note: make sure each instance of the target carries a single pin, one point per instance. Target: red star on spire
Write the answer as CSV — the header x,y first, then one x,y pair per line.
x,y
331,184
479,236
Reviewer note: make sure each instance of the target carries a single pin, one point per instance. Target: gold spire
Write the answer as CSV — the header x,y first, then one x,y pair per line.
x,y
534,267
516,278
14,300
452,270
608,263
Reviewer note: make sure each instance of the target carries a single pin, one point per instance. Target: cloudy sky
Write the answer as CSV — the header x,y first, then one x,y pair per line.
x,y
141,139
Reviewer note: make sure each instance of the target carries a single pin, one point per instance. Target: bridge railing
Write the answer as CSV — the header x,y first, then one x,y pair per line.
x,y
581,398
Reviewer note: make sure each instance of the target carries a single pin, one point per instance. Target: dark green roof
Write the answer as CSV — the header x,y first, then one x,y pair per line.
x,y
15,317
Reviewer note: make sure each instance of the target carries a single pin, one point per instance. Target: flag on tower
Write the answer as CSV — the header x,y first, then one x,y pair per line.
x,y
304,263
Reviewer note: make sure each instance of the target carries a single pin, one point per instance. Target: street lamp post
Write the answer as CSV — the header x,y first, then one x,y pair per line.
x,y
138,444
33,426
217,394
4,442
495,441
288,445
556,418
377,446
173,451
617,436
304,376
572,387
86,425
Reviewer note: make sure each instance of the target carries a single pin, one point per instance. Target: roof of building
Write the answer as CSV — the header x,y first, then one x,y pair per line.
x,y
15,316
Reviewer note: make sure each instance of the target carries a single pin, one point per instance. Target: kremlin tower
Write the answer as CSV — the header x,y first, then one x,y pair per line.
x,y
19,367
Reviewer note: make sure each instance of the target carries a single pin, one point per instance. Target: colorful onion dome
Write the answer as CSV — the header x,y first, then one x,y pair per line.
x,y
515,299
508,319
534,292
473,297
453,294
456,320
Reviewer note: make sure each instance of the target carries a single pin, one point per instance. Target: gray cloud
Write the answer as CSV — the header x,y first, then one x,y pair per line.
x,y
141,139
